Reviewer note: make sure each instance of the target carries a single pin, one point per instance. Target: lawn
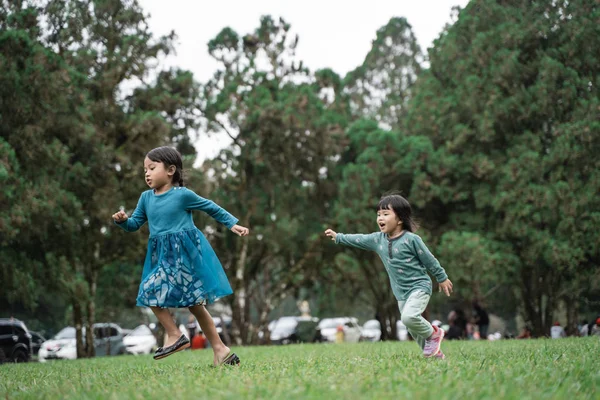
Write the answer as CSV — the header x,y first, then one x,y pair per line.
x,y
531,369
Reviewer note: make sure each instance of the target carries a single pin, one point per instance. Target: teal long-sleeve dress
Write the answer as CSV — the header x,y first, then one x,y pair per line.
x,y
181,269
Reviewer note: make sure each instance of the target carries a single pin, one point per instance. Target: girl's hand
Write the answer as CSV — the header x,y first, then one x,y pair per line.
x,y
446,287
240,230
120,216
332,234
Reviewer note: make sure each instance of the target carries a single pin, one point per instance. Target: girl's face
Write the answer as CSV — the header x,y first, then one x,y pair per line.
x,y
157,175
388,221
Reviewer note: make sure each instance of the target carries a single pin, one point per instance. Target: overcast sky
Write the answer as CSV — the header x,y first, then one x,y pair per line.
x,y
333,33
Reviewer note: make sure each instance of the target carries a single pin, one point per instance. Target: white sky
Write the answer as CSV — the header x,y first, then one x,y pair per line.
x,y
333,33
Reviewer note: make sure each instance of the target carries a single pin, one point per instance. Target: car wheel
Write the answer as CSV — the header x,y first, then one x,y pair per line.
x,y
20,356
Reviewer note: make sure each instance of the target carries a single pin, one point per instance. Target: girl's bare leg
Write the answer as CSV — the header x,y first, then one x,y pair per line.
x,y
208,327
164,317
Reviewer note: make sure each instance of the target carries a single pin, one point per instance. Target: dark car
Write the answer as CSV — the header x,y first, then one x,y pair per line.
x,y
287,330
36,342
15,341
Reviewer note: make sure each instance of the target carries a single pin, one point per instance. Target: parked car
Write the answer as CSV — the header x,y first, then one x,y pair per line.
x,y
108,340
221,324
371,331
141,340
287,330
15,341
401,331
36,342
328,327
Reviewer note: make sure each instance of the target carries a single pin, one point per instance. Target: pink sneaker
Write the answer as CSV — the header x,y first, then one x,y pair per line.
x,y
440,355
432,345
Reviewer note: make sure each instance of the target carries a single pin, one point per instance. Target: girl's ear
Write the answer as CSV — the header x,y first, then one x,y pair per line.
x,y
171,170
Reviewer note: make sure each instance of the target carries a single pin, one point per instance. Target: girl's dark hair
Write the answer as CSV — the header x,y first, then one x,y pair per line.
x,y
168,156
401,208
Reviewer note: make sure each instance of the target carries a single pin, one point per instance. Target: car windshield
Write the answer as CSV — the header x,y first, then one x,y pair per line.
x,y
66,333
330,323
141,330
372,325
285,324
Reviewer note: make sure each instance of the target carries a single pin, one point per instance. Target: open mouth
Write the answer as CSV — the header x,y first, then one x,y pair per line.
x,y
149,182
381,226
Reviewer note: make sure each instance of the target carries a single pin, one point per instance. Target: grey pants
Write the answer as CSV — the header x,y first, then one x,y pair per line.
x,y
410,312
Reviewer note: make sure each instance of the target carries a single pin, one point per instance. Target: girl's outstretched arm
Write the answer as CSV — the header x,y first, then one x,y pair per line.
x,y
194,202
428,260
137,219
365,242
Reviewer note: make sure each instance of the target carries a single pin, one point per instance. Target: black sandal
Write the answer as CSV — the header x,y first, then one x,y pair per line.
x,y
231,359
181,344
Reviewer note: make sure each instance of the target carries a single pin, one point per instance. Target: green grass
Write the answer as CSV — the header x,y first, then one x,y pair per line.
x,y
533,369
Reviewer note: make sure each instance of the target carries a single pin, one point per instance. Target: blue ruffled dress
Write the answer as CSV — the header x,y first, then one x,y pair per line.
x,y
181,268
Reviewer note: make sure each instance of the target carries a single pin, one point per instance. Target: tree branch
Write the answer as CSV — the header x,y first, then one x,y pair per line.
x,y
235,140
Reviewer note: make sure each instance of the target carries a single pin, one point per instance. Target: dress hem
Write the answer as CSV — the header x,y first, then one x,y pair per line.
x,y
202,302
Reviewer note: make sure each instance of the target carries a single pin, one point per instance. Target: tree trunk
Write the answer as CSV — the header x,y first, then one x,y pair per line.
x,y
247,332
393,317
387,315
239,323
91,314
532,299
263,320
572,316
225,332
78,322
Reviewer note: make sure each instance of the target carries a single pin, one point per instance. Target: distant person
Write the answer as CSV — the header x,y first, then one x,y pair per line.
x,y
525,333
557,331
199,341
340,336
407,260
461,322
472,333
596,328
482,319
181,268
191,326
584,329
457,325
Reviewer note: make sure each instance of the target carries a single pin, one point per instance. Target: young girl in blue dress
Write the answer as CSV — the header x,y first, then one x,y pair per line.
x,y
181,269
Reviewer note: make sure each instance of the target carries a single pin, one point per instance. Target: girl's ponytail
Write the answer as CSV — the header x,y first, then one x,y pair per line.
x,y
179,176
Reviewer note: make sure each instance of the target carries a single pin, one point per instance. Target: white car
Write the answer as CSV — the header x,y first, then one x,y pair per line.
x,y
62,346
402,331
329,326
219,323
371,331
140,341
108,340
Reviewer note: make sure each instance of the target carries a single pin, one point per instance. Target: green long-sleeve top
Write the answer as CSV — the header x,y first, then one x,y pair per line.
x,y
406,259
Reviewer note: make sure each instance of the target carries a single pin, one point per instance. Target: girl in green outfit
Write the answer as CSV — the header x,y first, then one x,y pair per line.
x,y
407,260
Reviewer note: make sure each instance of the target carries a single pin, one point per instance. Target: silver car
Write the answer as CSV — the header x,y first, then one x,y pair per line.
x,y
108,340
328,328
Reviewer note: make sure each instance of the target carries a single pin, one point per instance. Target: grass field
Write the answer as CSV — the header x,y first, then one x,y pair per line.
x,y
533,369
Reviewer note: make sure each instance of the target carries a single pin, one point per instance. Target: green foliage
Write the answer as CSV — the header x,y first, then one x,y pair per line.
x,y
381,87
69,142
275,176
495,147
510,104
